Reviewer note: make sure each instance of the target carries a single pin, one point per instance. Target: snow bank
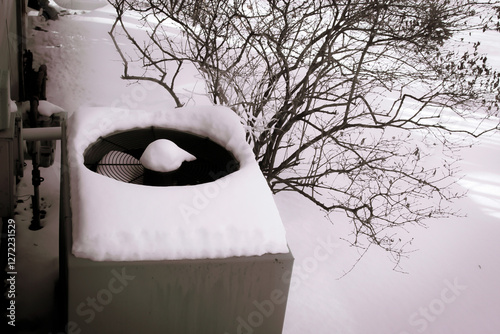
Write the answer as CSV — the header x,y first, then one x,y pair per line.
x,y
232,216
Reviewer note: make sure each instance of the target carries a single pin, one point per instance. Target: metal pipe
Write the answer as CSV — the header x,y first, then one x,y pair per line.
x,y
36,180
49,133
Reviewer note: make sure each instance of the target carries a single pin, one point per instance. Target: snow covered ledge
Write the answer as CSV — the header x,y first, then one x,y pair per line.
x,y
115,221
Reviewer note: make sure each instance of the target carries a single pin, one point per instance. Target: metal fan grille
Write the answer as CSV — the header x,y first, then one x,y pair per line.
x,y
117,156
122,167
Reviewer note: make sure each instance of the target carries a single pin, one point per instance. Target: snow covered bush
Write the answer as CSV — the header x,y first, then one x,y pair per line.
x,y
353,104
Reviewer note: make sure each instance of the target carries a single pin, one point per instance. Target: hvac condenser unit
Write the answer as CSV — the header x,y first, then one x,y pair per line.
x,y
197,249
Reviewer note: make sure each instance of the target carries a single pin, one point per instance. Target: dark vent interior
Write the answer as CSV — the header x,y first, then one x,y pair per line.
x,y
117,156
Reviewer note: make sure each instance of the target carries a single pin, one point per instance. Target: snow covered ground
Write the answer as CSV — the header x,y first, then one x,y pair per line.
x,y
451,285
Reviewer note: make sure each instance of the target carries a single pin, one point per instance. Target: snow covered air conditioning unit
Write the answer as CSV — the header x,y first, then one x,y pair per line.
x,y
171,227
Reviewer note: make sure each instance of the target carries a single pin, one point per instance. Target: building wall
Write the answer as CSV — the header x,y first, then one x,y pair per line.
x,y
11,39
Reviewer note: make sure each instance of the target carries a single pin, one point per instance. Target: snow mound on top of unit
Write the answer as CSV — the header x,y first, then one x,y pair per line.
x,y
164,155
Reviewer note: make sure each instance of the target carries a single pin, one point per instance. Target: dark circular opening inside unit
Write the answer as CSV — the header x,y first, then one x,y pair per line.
x,y
117,156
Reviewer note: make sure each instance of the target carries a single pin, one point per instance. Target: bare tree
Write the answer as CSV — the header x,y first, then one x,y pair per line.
x,y
347,102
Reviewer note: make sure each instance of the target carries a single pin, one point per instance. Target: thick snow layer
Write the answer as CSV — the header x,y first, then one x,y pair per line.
x,y
164,155
112,220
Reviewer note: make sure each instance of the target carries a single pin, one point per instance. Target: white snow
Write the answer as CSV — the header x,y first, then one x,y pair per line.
x,y
164,155
46,108
232,216
12,106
